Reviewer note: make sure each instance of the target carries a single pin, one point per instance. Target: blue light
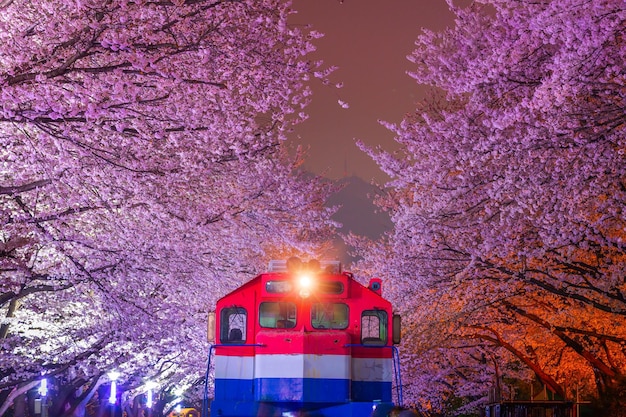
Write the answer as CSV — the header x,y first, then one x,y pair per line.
x,y
43,388
113,375
113,396
149,399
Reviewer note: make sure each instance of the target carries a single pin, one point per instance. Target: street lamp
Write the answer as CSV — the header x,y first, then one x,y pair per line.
x,y
150,385
113,376
43,387
43,391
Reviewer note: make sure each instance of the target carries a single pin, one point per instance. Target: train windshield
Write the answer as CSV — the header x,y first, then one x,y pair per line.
x,y
278,287
330,287
277,315
329,316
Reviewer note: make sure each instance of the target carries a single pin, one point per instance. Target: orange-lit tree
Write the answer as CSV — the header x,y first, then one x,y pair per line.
x,y
508,199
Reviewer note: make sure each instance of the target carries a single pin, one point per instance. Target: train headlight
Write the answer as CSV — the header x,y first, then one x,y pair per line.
x,y
305,283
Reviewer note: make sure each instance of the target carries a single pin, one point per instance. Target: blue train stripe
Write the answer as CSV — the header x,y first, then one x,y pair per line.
x,y
371,391
308,390
302,390
234,389
283,389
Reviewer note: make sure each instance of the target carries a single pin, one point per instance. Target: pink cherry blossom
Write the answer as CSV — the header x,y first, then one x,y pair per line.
x,y
143,174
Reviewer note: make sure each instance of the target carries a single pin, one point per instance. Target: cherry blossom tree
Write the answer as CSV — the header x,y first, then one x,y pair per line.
x,y
143,174
508,253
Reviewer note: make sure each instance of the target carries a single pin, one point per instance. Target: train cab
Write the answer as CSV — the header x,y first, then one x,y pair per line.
x,y
304,339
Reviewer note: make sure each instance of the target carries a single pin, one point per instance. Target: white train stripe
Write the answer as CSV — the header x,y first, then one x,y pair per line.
x,y
372,369
304,366
234,367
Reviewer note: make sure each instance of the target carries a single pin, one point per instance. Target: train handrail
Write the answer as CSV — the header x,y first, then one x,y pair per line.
x,y
395,355
205,399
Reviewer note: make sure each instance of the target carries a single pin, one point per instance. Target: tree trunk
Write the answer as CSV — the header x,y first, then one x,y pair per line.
x,y
14,395
79,411
611,395
20,408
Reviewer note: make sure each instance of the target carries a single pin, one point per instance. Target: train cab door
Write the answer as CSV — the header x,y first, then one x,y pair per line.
x,y
234,353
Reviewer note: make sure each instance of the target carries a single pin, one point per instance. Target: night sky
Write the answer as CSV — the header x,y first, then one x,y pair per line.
x,y
369,41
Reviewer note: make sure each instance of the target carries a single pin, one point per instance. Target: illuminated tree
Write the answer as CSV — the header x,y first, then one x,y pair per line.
x,y
142,175
509,196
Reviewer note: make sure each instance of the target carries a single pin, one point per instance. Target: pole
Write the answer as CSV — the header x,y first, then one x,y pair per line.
x,y
113,394
44,406
577,401
43,391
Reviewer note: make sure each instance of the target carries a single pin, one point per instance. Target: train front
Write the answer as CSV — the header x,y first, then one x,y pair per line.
x,y
304,339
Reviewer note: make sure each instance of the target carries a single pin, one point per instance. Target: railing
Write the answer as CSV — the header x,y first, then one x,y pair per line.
x,y
205,399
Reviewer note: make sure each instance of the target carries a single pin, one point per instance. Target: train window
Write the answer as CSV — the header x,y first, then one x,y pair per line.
x,y
329,316
278,287
277,315
330,287
233,322
374,327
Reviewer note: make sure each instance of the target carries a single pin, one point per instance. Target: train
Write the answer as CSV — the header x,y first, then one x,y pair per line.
x,y
304,339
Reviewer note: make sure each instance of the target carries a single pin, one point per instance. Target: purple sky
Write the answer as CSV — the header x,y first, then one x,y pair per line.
x,y
369,41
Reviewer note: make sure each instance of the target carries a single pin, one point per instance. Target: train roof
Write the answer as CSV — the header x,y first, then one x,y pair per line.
x,y
293,268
